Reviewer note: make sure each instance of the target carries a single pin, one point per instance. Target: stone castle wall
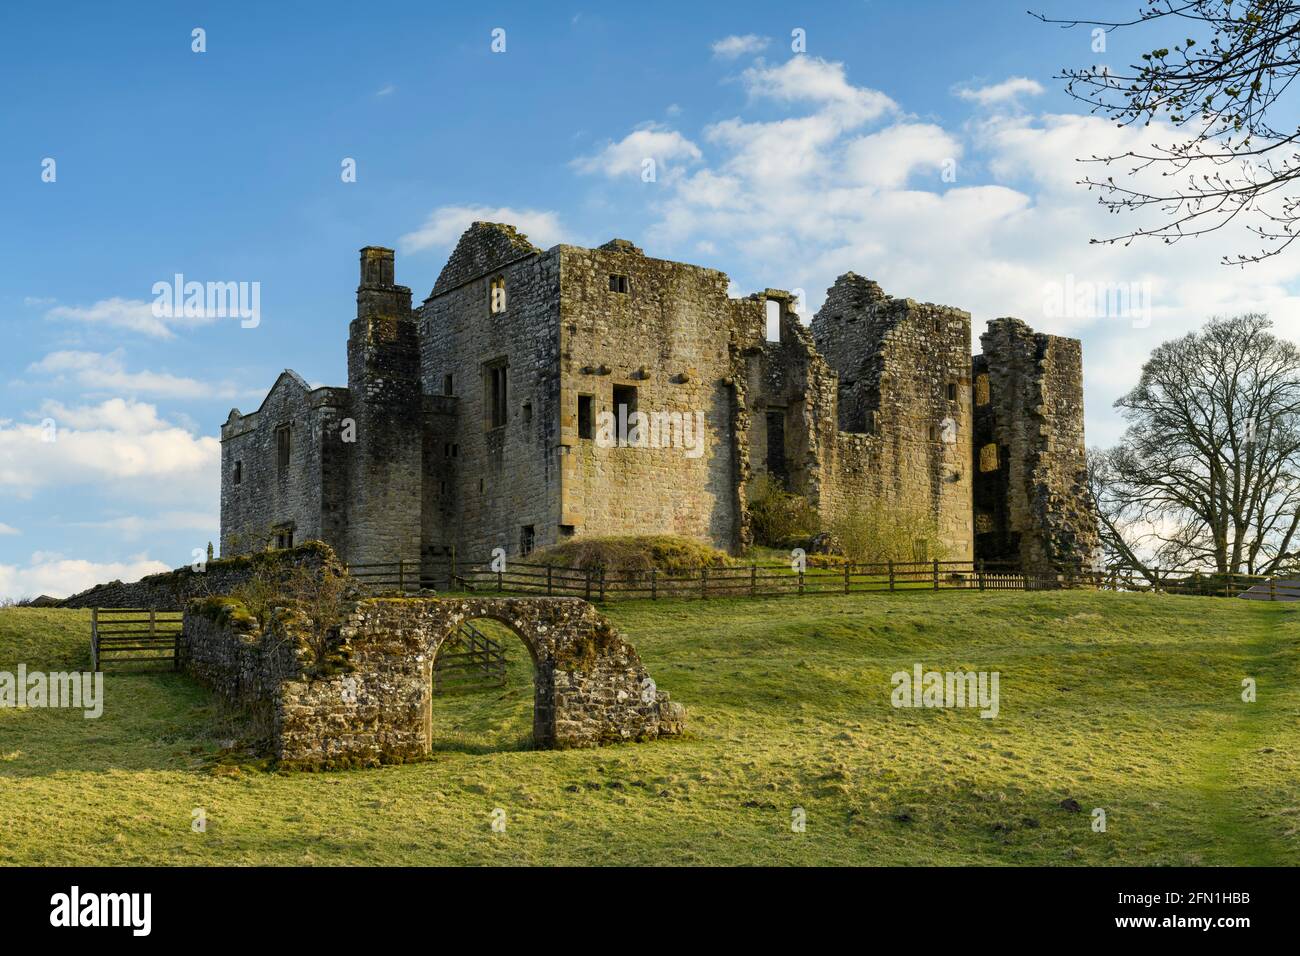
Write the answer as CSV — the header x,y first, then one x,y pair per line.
x,y
305,498
873,407
1032,501
667,337
905,410
485,484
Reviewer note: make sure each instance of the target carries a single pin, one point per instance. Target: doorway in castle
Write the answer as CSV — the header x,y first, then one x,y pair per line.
x,y
483,688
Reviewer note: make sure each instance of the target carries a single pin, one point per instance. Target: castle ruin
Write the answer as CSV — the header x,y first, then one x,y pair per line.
x,y
482,418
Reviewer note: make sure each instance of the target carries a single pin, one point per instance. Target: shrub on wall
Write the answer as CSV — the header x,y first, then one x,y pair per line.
x,y
878,532
632,553
776,515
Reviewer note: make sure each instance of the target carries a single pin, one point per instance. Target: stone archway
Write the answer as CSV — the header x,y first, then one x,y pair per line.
x,y
590,686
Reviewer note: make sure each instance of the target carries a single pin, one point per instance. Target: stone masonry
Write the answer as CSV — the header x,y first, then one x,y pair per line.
x,y
474,420
589,683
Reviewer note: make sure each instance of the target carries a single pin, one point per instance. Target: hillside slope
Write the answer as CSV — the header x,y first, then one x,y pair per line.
x,y
1130,703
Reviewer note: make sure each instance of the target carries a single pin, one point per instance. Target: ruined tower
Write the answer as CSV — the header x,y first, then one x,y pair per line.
x,y
384,461
1032,505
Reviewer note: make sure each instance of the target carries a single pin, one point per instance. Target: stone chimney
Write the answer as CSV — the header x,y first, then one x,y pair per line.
x,y
377,295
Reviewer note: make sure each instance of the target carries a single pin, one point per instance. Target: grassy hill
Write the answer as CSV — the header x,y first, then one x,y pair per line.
x,y
1130,703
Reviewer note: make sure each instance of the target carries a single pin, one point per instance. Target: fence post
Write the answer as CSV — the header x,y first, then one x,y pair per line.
x,y
846,576
401,575
704,584
753,578
153,625
451,570
94,638
979,572
936,574
891,575
1272,589
602,584
548,580
500,583
801,581
654,584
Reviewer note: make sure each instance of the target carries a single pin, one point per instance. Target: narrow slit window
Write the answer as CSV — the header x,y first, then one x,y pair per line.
x,y
586,420
527,539
773,321
239,472
494,393
618,283
952,391
448,385
282,449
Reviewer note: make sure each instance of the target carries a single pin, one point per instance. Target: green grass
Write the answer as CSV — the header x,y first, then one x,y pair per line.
x,y
1130,703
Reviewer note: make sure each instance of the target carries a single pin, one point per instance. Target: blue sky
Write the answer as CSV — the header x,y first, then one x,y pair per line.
x,y
781,168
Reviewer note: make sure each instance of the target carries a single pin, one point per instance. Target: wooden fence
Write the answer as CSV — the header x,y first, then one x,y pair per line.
x,y
741,580
133,636
446,573
469,660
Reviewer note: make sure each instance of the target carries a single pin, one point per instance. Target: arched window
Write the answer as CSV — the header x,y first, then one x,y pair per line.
x,y
497,295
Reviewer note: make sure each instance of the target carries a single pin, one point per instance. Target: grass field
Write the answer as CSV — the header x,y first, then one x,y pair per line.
x,y
1130,703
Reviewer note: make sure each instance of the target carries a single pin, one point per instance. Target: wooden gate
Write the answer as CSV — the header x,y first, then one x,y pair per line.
x,y
133,636
469,660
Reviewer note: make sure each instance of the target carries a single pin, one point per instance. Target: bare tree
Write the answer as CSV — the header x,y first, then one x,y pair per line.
x,y
1208,471
1223,66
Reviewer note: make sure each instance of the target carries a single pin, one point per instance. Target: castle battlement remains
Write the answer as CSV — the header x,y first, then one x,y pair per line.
x,y
482,418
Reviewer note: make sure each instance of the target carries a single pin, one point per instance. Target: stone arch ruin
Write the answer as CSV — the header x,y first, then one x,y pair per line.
x,y
373,705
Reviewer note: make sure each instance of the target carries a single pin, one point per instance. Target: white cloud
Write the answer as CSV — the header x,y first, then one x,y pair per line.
x,y
889,157
120,442
386,90
8,529
627,156
795,202
61,577
445,224
98,371
134,527
133,315
729,48
997,93
805,79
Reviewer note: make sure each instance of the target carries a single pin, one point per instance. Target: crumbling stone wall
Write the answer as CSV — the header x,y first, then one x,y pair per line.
x,y
385,464
870,408
590,685
1033,507
171,590
904,409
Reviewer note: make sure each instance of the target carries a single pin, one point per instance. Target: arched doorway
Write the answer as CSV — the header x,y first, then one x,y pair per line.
x,y
482,690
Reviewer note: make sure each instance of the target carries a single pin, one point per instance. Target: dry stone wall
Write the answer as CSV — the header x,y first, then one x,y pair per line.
x,y
171,590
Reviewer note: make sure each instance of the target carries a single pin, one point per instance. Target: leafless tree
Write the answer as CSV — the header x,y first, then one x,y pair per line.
x,y
1216,77
1208,471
